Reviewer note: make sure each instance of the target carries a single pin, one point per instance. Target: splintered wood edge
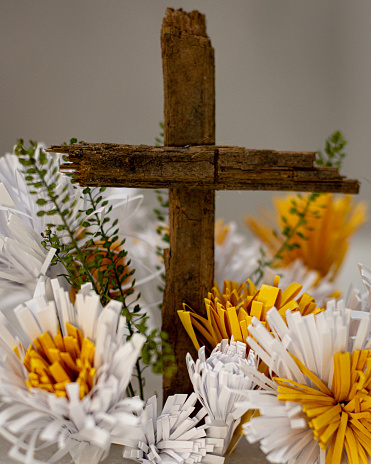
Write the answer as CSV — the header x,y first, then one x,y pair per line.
x,y
209,167
191,23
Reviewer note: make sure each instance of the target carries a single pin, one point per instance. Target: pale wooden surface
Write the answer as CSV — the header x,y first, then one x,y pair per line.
x,y
245,453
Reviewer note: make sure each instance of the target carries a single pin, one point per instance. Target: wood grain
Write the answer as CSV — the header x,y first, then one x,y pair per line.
x,y
207,167
189,70
189,119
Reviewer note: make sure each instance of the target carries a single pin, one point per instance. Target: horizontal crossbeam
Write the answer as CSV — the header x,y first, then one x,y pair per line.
x,y
207,166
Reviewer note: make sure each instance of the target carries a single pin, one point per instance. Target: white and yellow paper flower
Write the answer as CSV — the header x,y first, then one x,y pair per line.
x,y
316,408
320,289
64,378
175,436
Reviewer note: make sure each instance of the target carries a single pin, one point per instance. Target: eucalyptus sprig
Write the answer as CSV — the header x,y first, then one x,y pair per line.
x,y
160,138
334,154
289,232
53,196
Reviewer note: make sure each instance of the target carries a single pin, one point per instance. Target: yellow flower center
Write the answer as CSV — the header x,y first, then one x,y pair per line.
x,y
52,364
340,417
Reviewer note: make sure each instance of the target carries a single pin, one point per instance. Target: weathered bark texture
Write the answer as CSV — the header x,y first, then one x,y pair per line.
x,y
189,119
209,167
189,272
189,70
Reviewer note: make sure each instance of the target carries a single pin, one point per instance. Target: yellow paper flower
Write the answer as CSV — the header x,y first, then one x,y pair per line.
x,y
318,406
331,221
230,312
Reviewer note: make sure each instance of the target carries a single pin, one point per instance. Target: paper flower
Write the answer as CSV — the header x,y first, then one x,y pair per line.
x,y
68,384
327,236
317,406
235,258
230,312
173,437
361,301
22,257
220,384
149,269
321,289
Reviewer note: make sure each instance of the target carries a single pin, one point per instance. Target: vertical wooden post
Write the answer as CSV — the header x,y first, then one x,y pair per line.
x,y
189,90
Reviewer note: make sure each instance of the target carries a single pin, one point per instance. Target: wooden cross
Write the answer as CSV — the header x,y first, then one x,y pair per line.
x,y
193,168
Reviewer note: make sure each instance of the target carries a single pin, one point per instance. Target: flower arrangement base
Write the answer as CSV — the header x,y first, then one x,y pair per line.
x,y
90,455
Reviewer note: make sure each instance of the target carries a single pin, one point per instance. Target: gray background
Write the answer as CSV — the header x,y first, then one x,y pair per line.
x,y
288,73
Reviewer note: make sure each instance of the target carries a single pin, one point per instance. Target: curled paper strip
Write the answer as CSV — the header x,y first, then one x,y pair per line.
x,y
317,406
361,301
174,437
67,386
220,384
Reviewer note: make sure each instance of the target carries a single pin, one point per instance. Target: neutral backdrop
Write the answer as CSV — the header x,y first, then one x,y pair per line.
x,y
288,74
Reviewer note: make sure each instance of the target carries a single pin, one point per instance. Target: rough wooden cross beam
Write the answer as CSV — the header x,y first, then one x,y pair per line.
x,y
193,167
205,166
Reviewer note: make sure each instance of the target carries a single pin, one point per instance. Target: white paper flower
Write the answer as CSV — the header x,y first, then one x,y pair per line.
x,y
68,386
173,437
235,258
22,257
361,301
220,384
317,406
137,224
149,268
320,290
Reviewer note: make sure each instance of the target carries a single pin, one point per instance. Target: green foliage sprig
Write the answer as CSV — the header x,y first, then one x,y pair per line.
x,y
334,154
289,232
160,138
90,249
